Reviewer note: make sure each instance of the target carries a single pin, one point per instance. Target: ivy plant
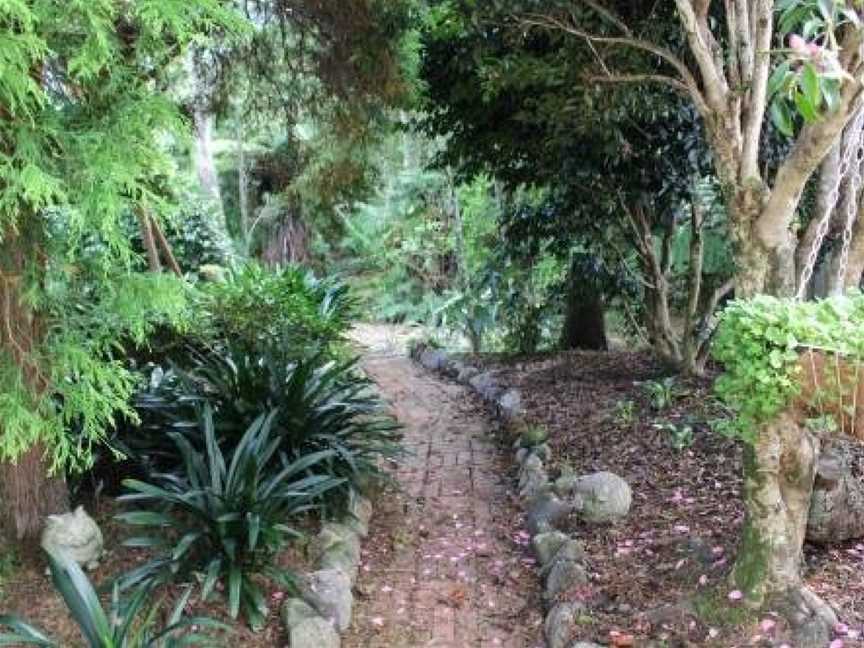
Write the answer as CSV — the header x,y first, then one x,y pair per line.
x,y
760,343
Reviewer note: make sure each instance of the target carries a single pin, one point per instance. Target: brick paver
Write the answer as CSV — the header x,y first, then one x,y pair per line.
x,y
445,564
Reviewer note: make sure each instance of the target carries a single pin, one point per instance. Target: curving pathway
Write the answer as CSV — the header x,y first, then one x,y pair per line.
x,y
446,563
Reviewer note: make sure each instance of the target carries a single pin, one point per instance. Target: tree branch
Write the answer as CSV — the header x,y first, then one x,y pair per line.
x,y
713,79
756,78
687,79
613,77
814,142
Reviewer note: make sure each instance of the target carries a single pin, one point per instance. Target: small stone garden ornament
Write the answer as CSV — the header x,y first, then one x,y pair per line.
x,y
75,535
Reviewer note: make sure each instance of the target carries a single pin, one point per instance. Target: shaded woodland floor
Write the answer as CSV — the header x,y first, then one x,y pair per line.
x,y
680,538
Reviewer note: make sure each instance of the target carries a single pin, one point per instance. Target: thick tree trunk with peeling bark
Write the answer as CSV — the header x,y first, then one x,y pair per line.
x,y
855,267
779,474
27,492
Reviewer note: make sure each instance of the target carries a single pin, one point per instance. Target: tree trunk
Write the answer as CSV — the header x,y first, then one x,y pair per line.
x,y
205,164
27,492
149,242
837,506
828,173
855,267
584,319
243,185
752,259
779,473
780,468
289,243
170,259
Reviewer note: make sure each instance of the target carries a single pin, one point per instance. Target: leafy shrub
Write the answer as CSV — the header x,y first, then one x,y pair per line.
x,y
225,517
319,405
197,235
759,343
93,323
286,308
128,623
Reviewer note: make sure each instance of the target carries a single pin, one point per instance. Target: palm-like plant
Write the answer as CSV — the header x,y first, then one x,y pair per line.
x,y
128,623
320,405
226,519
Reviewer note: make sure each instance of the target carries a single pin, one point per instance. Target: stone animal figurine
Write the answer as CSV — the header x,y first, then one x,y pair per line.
x,y
76,535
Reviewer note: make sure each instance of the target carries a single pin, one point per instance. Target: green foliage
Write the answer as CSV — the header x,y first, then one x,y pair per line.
x,y
128,623
85,129
225,515
662,393
680,435
319,406
285,308
105,116
759,343
90,384
807,84
197,235
624,413
533,436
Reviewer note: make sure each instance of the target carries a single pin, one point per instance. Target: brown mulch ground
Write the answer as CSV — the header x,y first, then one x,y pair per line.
x,y
27,592
679,541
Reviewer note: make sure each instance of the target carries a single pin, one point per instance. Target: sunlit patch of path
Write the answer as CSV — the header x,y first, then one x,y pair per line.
x,y
445,564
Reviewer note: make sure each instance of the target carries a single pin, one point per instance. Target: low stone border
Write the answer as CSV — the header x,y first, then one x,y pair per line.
x,y
322,611
562,559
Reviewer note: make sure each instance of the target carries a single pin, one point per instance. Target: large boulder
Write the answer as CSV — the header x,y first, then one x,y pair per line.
x,y
600,497
433,359
338,547
510,404
532,477
561,623
314,633
486,385
359,514
562,575
467,374
295,611
329,592
544,511
547,544
837,503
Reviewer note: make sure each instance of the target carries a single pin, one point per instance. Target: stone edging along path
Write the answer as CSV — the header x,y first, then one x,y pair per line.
x,y
562,559
315,618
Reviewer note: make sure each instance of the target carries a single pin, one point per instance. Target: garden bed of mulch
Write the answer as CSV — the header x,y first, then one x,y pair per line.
x,y
662,573
27,592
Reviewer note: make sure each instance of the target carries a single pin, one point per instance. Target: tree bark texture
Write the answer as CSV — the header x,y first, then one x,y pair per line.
x,y
289,242
837,506
153,262
584,319
27,492
780,469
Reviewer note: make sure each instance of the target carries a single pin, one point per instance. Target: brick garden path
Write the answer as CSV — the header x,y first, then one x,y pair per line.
x,y
445,564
